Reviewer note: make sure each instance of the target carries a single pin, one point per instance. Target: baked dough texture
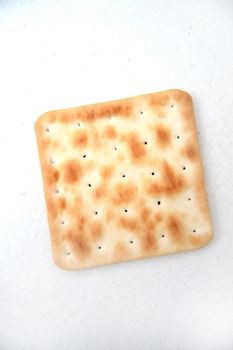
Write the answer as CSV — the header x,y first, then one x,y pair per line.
x,y
123,180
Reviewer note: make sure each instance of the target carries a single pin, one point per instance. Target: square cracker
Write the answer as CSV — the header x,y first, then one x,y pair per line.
x,y
123,180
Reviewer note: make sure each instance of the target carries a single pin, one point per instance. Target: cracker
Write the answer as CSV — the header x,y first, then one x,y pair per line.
x,y
123,180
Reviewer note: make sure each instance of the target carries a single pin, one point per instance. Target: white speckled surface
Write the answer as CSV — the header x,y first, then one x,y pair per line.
x,y
57,54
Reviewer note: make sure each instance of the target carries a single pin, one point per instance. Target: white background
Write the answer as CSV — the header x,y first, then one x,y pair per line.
x,y
57,54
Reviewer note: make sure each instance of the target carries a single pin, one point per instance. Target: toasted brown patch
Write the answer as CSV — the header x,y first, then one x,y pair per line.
x,y
144,214
74,208
125,110
201,196
148,242
79,241
174,226
109,215
62,203
80,138
150,224
93,112
96,230
186,99
90,115
72,172
118,109
106,172
99,191
180,95
124,193
158,100
81,246
115,109
199,240
172,182
190,151
110,132
64,117
105,111
120,250
187,117
52,209
52,117
78,201
158,217
162,136
136,147
127,223
52,175
81,222
45,143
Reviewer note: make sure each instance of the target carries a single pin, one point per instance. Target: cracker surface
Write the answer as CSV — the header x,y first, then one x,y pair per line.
x,y
123,180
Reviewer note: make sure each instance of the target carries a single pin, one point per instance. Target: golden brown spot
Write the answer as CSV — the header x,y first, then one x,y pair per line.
x,y
199,240
172,183
81,221
90,115
148,242
175,228
99,192
158,99
45,142
117,109
80,138
64,117
52,175
201,195
110,132
81,245
187,113
79,237
124,193
182,96
150,224
158,217
76,206
52,117
51,207
78,201
186,99
187,116
128,224
122,109
163,136
105,111
62,203
190,151
106,172
136,147
109,215
120,250
96,230
145,214
86,114
72,171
